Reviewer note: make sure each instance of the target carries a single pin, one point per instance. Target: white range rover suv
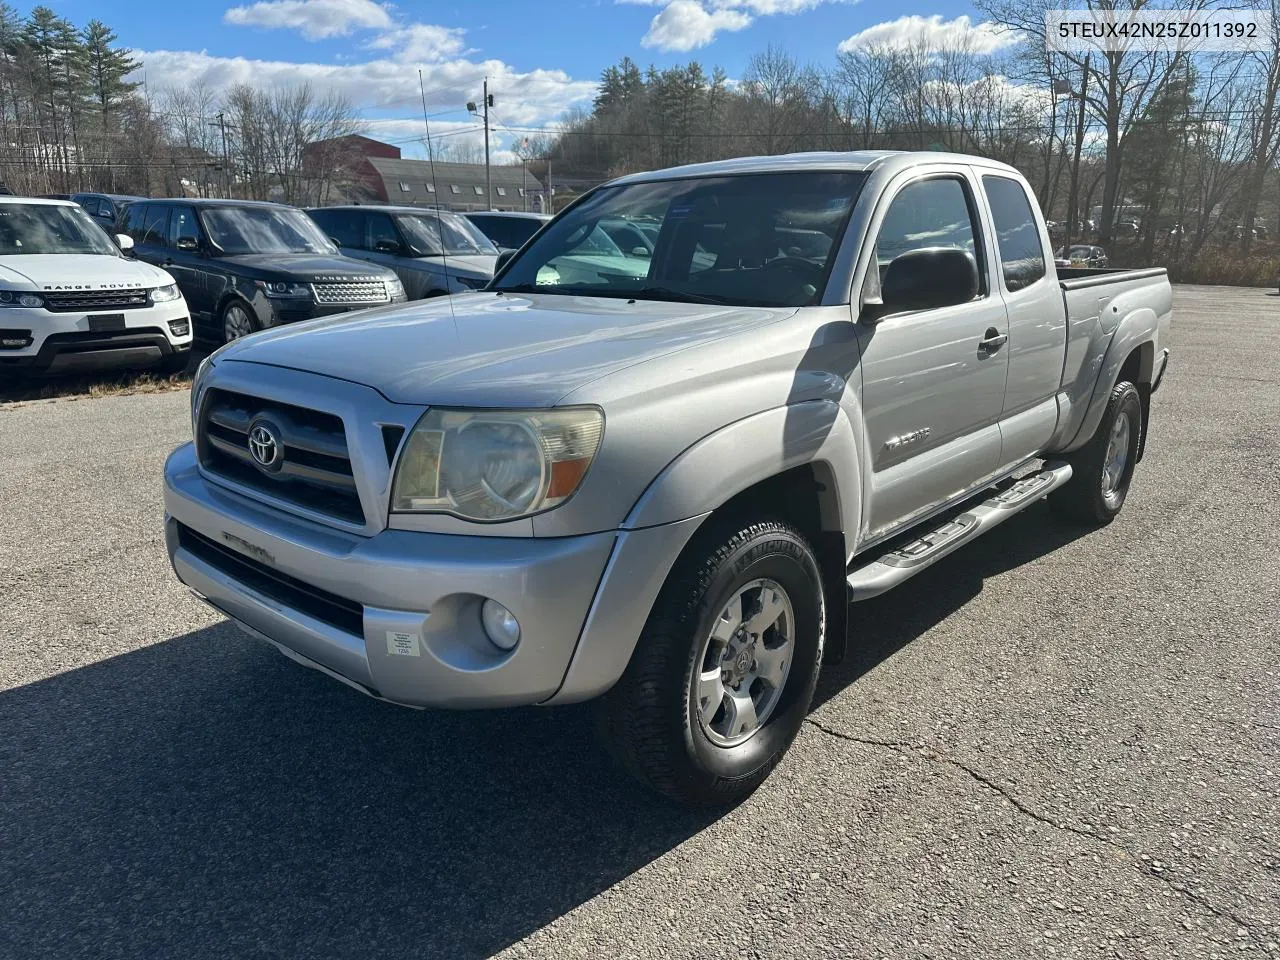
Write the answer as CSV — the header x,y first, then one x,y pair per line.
x,y
70,298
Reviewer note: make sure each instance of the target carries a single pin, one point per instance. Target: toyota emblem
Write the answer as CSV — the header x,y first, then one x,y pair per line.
x,y
265,446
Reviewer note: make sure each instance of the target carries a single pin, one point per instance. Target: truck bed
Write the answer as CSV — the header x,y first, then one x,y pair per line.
x,y
1097,301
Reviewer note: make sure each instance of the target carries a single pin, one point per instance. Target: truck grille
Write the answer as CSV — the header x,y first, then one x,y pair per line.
x,y
338,612
310,468
70,301
355,291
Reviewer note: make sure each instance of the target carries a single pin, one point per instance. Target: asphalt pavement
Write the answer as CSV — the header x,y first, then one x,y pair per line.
x,y
1052,744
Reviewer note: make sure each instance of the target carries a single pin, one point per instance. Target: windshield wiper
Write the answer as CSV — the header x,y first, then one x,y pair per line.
x,y
679,296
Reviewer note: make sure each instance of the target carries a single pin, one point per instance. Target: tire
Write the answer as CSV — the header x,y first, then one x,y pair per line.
x,y
247,323
656,722
1103,468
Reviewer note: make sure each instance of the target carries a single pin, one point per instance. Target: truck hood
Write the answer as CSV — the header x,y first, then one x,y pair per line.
x,y
78,271
494,349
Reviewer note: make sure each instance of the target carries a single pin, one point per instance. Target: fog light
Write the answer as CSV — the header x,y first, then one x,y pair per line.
x,y
15,339
500,624
179,328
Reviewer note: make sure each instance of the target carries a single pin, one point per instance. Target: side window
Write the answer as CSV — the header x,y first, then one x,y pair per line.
x,y
182,224
344,226
927,213
381,229
132,223
153,227
1018,237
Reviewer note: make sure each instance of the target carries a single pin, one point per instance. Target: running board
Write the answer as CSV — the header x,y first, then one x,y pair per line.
x,y
897,566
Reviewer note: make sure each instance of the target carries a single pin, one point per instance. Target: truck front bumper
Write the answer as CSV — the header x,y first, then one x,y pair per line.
x,y
397,615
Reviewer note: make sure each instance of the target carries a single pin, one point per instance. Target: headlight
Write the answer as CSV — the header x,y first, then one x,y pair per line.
x,y
15,298
284,289
495,465
162,294
395,289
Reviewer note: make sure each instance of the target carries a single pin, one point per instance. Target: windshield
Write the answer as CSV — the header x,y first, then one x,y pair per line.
x,y
264,230
434,234
753,240
46,228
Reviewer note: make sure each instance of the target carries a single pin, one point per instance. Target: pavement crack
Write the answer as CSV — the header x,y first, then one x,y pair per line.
x,y
933,755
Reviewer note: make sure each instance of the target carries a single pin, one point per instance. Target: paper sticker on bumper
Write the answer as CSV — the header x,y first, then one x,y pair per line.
x,y
403,644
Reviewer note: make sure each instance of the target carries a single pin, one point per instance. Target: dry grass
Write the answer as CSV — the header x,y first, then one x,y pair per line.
x,y
84,386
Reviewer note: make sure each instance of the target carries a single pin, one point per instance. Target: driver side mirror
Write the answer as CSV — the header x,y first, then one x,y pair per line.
x,y
640,252
924,279
189,244
387,246
125,243
503,259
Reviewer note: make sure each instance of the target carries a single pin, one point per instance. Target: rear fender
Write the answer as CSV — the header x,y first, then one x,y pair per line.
x,y
1136,330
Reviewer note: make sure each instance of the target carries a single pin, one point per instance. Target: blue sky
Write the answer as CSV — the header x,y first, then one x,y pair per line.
x,y
540,58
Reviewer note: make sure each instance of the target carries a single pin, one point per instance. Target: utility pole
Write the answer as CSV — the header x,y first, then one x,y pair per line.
x,y
488,183
226,158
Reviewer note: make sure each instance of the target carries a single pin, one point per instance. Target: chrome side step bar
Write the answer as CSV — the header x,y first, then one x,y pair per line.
x,y
896,566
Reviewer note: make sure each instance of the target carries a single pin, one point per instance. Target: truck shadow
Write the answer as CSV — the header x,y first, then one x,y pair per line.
x,y
204,797
880,627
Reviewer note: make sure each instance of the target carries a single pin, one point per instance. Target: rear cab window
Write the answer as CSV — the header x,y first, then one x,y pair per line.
x,y
1022,260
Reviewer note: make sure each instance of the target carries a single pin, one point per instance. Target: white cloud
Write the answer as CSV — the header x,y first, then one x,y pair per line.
x,y
688,24
931,33
768,8
531,97
685,25
315,19
421,41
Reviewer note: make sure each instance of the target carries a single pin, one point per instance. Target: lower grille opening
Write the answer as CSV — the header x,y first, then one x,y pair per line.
x,y
338,612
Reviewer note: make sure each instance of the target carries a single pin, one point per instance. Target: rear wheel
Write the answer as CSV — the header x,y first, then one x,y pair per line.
x,y
724,672
1103,468
237,321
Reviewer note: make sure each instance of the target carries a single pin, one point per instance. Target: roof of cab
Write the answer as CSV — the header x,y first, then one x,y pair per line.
x,y
857,160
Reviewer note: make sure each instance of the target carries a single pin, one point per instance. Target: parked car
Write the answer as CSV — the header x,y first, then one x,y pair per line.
x,y
105,208
245,266
70,299
432,252
1126,228
508,229
661,490
1084,255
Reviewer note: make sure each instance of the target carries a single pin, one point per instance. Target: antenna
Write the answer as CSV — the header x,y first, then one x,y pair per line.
x,y
435,190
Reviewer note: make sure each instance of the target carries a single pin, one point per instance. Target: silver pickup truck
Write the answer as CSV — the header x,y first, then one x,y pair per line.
x,y
655,478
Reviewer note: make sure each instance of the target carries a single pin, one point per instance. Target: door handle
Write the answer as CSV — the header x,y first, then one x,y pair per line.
x,y
993,339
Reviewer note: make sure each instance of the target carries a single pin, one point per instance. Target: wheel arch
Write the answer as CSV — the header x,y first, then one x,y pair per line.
x,y
1130,354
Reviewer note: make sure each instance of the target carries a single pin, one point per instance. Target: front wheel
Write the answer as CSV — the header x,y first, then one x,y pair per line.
x,y
1103,468
237,321
724,671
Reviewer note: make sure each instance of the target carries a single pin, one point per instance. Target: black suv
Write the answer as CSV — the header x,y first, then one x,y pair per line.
x,y
105,208
244,266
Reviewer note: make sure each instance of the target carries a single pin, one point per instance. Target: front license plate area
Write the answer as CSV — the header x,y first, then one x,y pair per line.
x,y
106,323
